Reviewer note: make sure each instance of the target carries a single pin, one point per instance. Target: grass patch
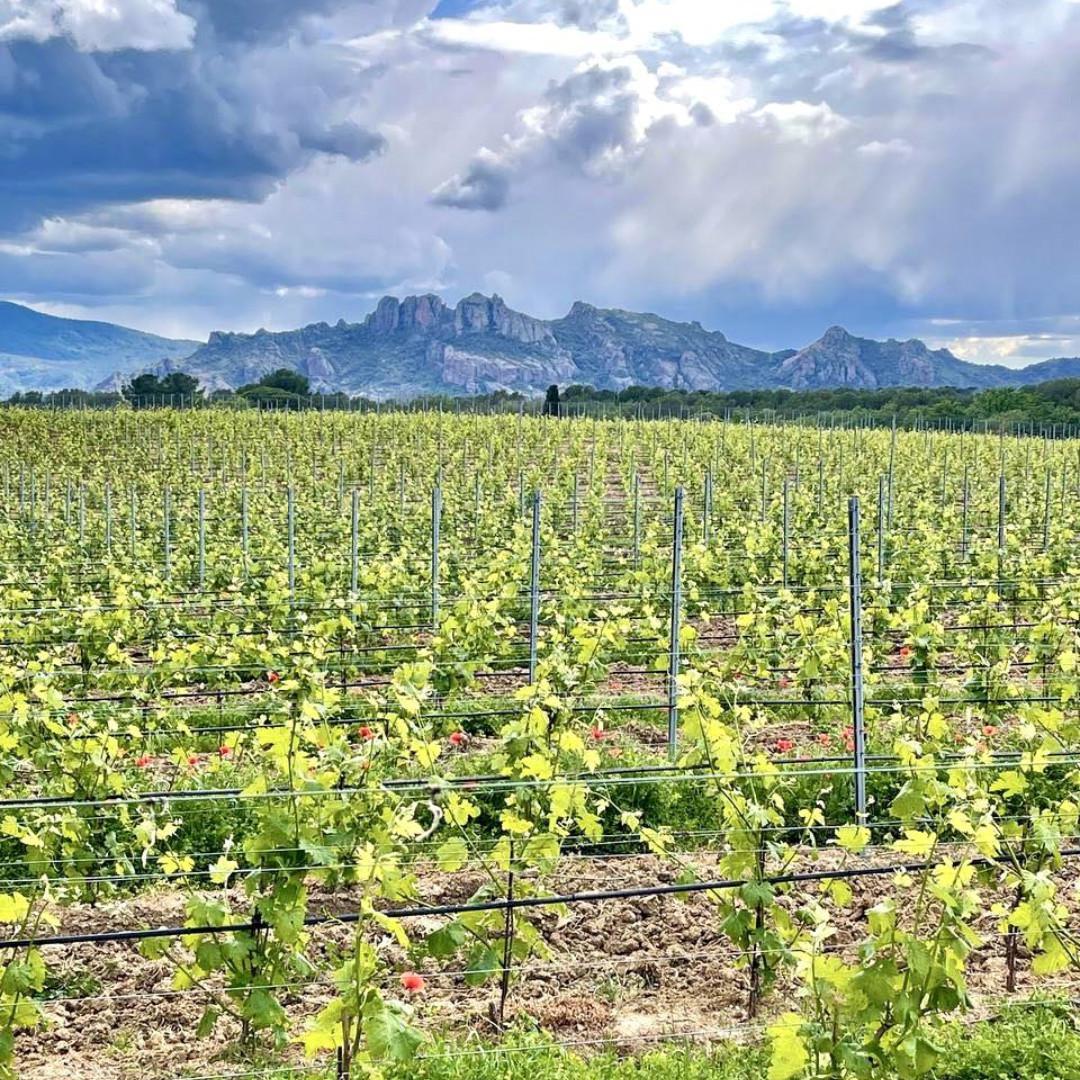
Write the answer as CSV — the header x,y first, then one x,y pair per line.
x,y
536,1057
1026,1042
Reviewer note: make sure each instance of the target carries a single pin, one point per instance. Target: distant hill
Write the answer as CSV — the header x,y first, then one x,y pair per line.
x,y
44,352
421,345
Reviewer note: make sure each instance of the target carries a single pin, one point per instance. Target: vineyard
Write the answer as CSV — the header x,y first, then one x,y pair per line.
x,y
331,743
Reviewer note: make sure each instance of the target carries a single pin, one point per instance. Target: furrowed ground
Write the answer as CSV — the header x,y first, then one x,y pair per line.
x,y
350,743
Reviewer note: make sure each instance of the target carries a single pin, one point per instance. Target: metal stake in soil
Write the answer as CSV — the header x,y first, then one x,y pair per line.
x,y
534,589
857,718
436,521
676,619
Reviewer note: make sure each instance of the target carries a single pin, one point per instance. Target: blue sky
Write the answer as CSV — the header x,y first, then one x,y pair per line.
x,y
449,9
767,167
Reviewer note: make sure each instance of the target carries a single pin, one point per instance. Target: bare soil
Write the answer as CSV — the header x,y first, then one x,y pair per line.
x,y
628,972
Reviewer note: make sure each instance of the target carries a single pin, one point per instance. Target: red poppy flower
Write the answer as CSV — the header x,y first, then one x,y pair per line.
x,y
989,730
366,733
824,738
457,738
597,734
273,677
145,760
412,982
905,653
784,745
224,751
193,760
783,682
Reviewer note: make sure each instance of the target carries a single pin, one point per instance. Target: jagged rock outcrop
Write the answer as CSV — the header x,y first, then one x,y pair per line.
x,y
420,314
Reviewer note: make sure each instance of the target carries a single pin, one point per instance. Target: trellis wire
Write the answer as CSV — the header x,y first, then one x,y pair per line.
x,y
504,904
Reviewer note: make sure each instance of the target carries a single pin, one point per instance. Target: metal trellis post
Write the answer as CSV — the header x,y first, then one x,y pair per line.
x,y
676,620
964,516
857,717
202,538
534,589
881,527
436,519
166,510
354,545
291,525
1001,515
108,519
244,527
786,533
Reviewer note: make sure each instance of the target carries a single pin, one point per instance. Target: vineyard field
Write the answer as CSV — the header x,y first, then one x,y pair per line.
x,y
339,744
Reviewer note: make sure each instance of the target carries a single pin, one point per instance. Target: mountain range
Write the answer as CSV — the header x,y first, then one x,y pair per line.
x,y
45,352
421,345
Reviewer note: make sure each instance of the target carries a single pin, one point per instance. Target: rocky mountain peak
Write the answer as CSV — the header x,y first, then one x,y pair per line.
x,y
414,313
479,314
837,337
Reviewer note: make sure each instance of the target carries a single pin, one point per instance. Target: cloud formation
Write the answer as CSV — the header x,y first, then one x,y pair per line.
x,y
768,166
484,185
93,114
92,26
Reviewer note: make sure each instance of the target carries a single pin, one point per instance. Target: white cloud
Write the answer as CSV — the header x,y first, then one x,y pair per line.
x,y
98,25
900,148
801,121
854,11
543,38
698,23
719,94
1014,350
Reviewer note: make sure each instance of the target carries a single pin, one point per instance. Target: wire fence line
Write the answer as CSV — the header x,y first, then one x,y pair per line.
x,y
505,904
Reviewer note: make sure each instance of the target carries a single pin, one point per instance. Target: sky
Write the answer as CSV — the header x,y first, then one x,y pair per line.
x,y
766,167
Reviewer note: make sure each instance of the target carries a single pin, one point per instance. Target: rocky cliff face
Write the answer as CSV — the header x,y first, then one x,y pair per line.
x,y
404,347
614,349
421,345
841,359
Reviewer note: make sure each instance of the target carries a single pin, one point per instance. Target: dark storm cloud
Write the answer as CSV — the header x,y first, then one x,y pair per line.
x,y
78,129
485,185
347,140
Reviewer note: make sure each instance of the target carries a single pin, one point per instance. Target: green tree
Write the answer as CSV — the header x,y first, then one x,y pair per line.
x,y
292,382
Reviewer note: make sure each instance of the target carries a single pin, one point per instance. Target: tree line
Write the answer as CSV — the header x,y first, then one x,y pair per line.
x,y
1050,403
